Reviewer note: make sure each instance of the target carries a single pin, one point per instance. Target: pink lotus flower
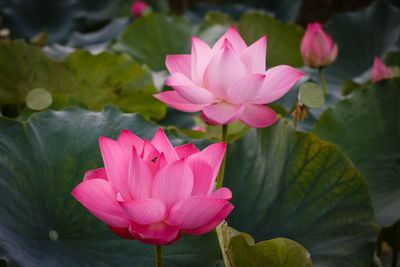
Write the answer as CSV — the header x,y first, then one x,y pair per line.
x,y
317,47
151,191
138,8
379,71
228,81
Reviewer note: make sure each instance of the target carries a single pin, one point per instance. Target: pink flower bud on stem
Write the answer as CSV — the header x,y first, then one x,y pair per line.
x,y
139,8
317,47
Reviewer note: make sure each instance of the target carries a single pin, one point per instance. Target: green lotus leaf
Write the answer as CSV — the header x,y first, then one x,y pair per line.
x,y
38,99
149,39
283,39
290,184
96,80
278,252
41,224
366,128
241,250
393,58
311,95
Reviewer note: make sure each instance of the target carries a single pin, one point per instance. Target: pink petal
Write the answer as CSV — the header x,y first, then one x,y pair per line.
x,y
321,47
172,183
202,177
223,112
192,93
144,211
155,234
162,161
140,177
208,120
116,163
245,89
174,100
178,63
307,41
258,116
333,53
194,212
161,143
200,58
186,150
224,68
99,198
277,83
199,128
222,193
234,38
121,232
213,222
213,155
128,140
96,174
254,56
379,71
138,8
150,156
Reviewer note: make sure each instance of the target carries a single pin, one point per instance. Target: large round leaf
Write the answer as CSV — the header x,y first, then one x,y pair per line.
x,y
41,224
367,128
151,38
96,80
279,252
290,184
239,249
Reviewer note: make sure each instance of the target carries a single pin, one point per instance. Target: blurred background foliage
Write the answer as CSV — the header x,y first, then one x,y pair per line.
x,y
61,20
89,54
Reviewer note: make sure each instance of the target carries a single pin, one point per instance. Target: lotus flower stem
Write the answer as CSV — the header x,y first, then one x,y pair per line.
x,y
159,256
322,79
220,176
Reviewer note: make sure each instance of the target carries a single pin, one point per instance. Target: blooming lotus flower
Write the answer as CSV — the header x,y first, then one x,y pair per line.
x,y
151,191
317,47
228,81
379,71
138,8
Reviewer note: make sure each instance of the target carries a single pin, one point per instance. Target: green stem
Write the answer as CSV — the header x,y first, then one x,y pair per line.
x,y
223,244
322,79
158,256
220,176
